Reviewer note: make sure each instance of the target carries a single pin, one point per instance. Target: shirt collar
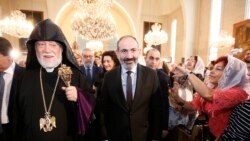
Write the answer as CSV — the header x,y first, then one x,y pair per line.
x,y
88,66
134,70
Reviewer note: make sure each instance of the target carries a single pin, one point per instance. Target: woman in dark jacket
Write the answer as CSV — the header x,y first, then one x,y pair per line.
x,y
109,61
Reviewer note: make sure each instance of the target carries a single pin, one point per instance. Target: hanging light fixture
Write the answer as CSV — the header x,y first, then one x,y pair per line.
x,y
224,41
156,36
93,28
16,25
93,20
93,7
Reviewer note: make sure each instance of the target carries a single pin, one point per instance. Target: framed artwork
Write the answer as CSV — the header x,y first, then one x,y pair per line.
x,y
241,33
34,17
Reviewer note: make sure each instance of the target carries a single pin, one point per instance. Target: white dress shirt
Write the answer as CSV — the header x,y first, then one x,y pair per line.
x,y
8,77
124,80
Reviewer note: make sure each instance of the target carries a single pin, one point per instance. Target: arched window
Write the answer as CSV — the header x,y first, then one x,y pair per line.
x,y
247,9
173,39
215,23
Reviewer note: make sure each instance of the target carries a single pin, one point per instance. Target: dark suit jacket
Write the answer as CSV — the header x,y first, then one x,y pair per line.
x,y
95,71
140,123
17,72
164,83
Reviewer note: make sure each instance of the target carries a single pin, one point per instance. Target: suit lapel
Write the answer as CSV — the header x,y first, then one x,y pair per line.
x,y
18,70
120,94
138,88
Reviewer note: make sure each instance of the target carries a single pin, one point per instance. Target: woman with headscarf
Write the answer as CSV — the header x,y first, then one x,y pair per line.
x,y
227,87
195,65
186,91
53,100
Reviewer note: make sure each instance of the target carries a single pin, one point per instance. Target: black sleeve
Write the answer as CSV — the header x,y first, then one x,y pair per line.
x,y
156,111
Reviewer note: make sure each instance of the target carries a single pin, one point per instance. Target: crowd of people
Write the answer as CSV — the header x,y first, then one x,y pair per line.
x,y
67,94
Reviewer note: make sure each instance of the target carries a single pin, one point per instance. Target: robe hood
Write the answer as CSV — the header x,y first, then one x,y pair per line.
x,y
48,31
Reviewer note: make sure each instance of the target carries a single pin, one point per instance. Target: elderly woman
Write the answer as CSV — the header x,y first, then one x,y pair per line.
x,y
195,65
227,88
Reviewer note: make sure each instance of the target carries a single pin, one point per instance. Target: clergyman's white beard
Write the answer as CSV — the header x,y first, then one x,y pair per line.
x,y
50,65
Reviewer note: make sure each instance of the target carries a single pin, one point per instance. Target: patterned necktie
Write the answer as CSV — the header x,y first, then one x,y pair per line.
x,y
1,97
88,75
129,89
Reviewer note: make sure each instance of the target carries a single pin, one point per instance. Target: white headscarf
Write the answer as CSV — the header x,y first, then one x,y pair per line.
x,y
234,74
186,92
199,67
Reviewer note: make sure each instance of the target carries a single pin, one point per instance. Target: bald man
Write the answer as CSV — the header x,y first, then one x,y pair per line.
x,y
153,60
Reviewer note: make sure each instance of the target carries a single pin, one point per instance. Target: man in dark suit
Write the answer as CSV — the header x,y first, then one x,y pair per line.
x,y
132,110
153,59
88,68
90,71
9,72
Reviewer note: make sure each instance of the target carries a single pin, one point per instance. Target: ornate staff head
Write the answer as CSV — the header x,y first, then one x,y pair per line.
x,y
65,74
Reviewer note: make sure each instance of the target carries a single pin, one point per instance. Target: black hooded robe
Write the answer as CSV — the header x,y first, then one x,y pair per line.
x,y
29,107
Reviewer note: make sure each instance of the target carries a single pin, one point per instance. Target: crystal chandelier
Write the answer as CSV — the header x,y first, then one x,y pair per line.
x,y
93,28
156,36
16,25
92,20
93,7
224,41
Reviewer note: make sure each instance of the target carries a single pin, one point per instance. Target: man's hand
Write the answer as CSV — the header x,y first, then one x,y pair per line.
x,y
71,93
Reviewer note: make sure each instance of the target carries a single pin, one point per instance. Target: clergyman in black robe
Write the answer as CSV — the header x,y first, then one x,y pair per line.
x,y
46,108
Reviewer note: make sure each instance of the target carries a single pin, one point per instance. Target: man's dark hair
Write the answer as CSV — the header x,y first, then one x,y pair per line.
x,y
126,36
5,46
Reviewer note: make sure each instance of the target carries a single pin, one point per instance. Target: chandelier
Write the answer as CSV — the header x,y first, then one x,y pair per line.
x,y
92,20
16,25
93,28
156,36
224,41
93,7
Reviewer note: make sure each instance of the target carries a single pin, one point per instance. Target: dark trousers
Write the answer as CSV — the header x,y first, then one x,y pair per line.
x,y
6,134
93,132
